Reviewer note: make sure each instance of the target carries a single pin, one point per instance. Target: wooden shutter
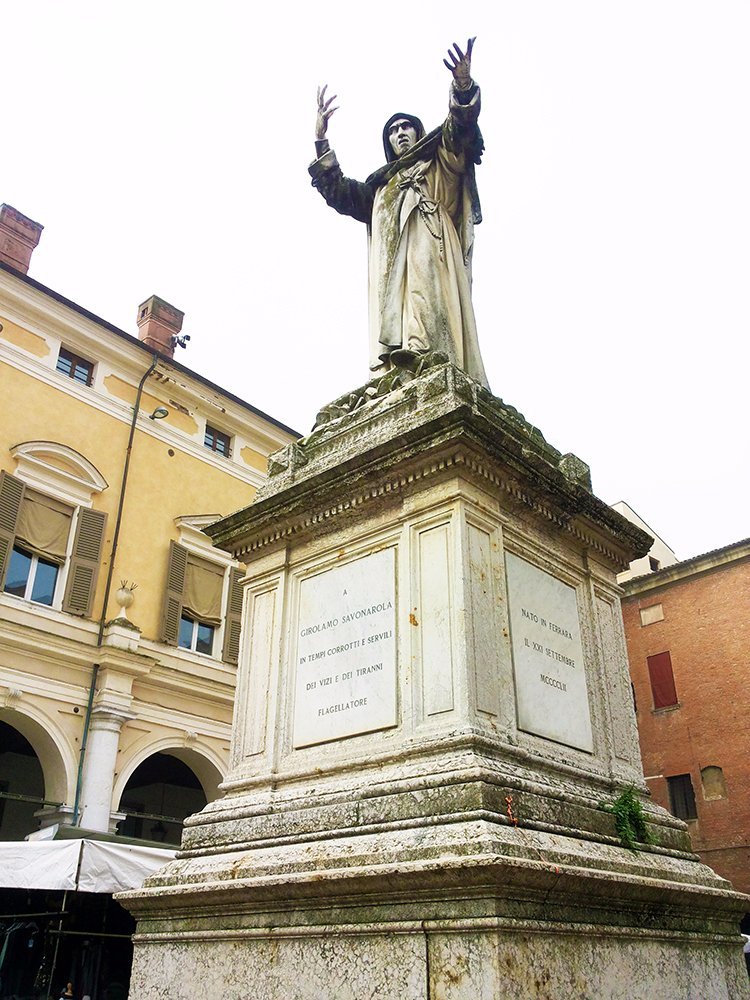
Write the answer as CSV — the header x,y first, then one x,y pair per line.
x,y
170,621
84,562
233,621
662,680
11,495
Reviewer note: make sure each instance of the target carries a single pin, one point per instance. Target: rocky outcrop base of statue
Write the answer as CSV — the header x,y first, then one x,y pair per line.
x,y
433,725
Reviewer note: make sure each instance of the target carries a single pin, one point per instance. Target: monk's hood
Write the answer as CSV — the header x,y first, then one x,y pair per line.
x,y
390,154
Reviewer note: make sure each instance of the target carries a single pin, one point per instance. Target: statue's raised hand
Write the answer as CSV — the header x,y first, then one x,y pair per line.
x,y
460,64
324,112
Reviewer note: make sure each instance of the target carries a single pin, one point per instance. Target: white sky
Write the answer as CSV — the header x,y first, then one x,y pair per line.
x,y
164,147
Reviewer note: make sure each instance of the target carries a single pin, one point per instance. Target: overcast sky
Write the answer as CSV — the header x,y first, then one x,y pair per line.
x,y
164,147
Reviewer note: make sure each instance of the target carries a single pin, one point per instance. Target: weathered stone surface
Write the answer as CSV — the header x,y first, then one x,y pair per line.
x,y
456,852
367,451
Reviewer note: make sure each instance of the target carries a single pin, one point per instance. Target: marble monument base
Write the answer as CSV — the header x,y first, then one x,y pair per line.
x,y
433,722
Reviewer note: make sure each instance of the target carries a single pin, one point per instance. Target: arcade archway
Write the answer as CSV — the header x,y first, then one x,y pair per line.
x,y
161,792
32,774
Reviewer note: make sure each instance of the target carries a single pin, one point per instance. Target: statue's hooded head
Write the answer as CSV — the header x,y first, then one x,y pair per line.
x,y
392,154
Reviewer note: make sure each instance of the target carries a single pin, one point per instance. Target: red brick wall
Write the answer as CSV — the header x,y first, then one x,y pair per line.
x,y
706,629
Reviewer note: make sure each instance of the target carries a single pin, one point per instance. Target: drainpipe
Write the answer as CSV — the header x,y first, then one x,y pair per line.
x,y
107,589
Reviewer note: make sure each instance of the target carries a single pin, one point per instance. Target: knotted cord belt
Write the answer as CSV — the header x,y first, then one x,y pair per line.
x,y
413,177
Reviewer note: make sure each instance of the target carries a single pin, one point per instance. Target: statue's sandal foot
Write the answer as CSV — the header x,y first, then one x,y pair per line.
x,y
403,358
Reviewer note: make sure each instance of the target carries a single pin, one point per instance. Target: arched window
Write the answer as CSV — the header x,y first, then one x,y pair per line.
x,y
712,780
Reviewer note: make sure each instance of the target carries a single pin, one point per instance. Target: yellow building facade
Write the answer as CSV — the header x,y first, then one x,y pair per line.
x,y
119,622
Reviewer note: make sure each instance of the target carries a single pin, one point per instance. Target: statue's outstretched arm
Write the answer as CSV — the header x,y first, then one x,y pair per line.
x,y
347,196
460,65
460,131
324,113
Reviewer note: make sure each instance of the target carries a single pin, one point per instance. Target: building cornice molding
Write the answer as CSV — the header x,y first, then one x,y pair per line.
x,y
695,566
42,644
106,403
209,697
52,312
42,635
214,685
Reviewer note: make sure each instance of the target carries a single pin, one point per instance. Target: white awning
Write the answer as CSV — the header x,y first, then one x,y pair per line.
x,y
88,865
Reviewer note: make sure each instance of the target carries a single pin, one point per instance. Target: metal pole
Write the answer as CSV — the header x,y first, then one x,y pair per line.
x,y
57,944
121,503
107,589
84,742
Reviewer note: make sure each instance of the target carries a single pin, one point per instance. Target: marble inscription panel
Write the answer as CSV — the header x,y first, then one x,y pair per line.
x,y
551,692
346,651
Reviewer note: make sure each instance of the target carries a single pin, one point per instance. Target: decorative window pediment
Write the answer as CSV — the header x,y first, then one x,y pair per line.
x,y
59,471
194,539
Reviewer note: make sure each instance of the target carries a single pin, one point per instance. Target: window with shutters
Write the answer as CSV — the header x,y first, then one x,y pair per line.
x,y
662,680
202,604
40,547
49,550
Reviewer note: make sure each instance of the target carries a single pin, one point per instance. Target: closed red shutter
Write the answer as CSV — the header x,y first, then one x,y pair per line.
x,y
662,680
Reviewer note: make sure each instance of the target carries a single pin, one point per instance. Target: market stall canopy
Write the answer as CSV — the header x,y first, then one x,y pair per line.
x,y
86,865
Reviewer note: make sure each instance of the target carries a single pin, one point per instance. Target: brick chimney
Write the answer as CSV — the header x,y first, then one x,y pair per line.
x,y
158,324
18,238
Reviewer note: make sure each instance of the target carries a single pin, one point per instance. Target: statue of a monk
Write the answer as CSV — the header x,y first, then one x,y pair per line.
x,y
420,209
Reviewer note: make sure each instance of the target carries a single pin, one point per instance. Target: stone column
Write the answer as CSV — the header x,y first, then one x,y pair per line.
x,y
119,664
99,767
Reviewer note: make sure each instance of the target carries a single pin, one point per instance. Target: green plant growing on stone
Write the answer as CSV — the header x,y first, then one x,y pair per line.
x,y
630,819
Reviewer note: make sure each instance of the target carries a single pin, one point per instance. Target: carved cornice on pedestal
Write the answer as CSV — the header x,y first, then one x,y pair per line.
x,y
442,421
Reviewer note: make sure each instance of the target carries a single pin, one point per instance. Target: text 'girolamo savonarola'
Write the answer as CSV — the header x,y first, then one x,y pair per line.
x,y
350,616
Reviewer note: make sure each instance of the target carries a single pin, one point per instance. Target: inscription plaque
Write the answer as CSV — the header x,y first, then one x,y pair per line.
x,y
551,692
346,651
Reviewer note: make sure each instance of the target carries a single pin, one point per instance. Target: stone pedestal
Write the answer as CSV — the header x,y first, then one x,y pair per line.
x,y
433,714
